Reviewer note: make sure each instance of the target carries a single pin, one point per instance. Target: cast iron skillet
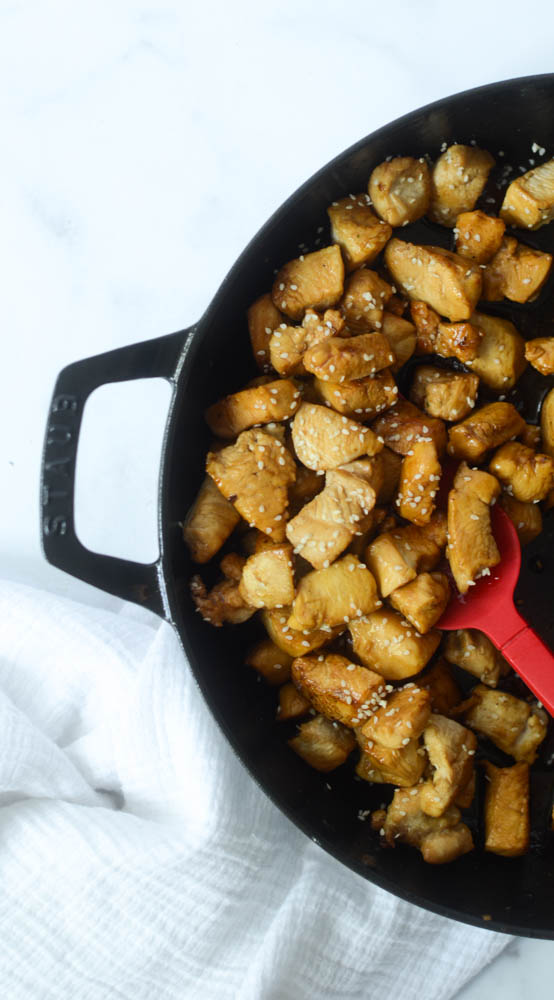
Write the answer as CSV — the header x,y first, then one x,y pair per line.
x,y
213,358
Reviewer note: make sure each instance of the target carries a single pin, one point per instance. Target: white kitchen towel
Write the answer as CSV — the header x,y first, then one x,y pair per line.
x,y
139,860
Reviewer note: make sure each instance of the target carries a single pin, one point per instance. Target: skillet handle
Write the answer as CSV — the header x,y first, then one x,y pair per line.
x,y
138,582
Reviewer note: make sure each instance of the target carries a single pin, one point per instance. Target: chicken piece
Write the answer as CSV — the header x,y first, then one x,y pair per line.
x,y
372,524
292,704
511,724
527,475
457,181
270,661
448,283
320,325
362,398
254,474
306,486
268,579
516,272
449,340
326,526
401,189
472,651
386,643
313,281
371,470
360,234
526,517
486,428
501,356
403,425
401,335
397,305
391,463
442,688
263,404
365,298
419,481
333,595
472,550
224,603
337,688
539,352
324,745
382,765
288,344
450,748
290,641
324,440
531,437
444,394
396,557
440,839
529,200
263,319
422,601
507,809
403,717
547,423
465,796
478,236
209,522
342,359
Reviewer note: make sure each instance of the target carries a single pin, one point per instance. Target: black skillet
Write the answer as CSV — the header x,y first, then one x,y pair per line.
x,y
213,358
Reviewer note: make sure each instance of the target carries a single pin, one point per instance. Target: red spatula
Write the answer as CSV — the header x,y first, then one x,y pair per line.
x,y
489,606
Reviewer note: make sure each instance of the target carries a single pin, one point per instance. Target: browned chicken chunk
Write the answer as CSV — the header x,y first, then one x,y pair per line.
x,y
268,579
449,340
288,344
457,181
288,639
292,704
270,661
404,424
362,398
525,517
263,319
472,550
386,643
539,352
443,690
500,359
419,481
547,423
365,298
341,359
478,236
527,475
444,394
306,486
324,745
401,189
357,230
401,335
254,474
472,651
439,838
263,404
324,440
383,765
396,557
402,718
336,594
486,428
209,522
223,603
507,826
516,272
529,200
451,749
337,688
313,281
511,724
326,526
422,601
448,283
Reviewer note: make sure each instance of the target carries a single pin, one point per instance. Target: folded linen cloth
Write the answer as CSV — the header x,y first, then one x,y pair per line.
x,y
139,860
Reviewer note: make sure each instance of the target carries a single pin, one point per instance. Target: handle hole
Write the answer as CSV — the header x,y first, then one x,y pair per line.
x,y
117,471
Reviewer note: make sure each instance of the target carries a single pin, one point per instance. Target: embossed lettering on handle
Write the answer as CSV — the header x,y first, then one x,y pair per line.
x,y
59,460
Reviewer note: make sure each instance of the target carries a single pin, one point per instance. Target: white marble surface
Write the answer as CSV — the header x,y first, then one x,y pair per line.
x,y
142,146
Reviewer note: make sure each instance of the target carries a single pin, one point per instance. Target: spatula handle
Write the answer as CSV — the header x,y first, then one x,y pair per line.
x,y
534,662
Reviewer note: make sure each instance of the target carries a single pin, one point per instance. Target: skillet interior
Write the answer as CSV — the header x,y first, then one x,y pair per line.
x,y
517,894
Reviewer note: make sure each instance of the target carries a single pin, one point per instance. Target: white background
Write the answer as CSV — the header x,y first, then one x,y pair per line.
x,y
142,146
